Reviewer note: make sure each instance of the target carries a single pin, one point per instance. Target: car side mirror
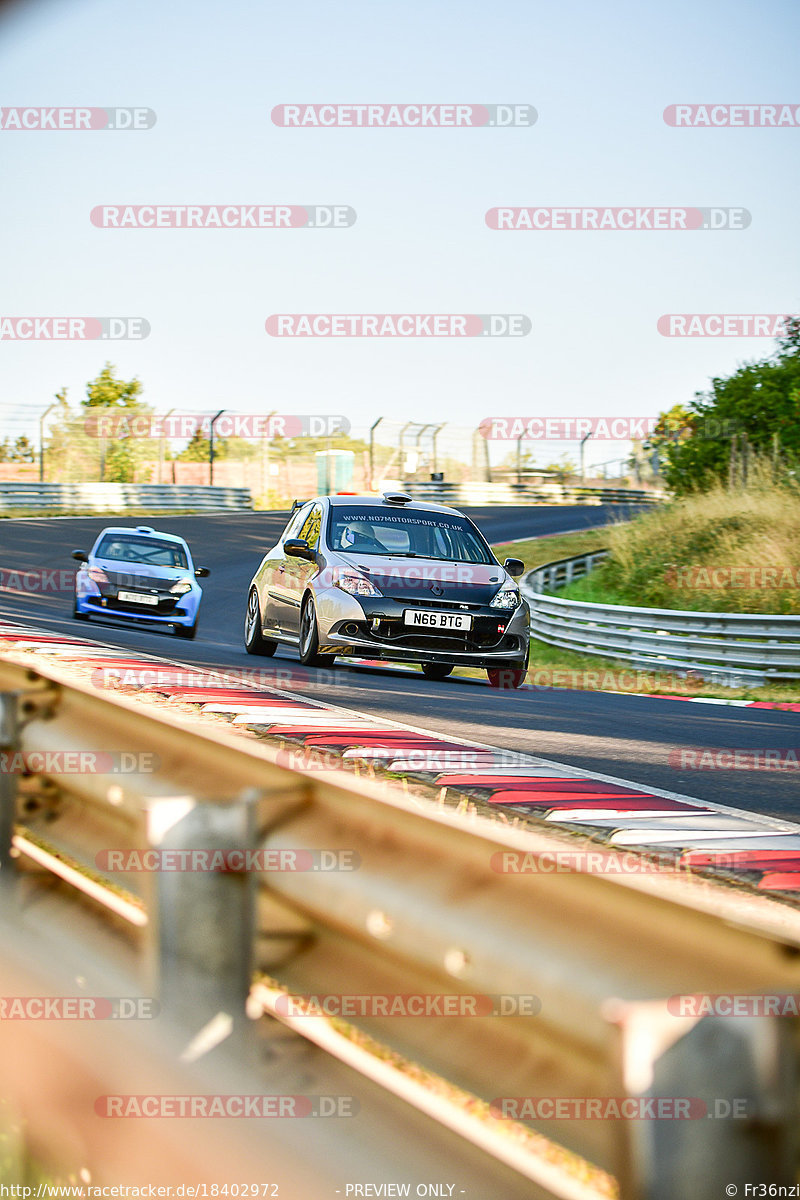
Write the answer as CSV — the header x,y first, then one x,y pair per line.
x,y
201,572
514,566
299,548
80,555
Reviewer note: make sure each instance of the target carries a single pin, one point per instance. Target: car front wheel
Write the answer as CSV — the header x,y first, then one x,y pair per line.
x,y
254,640
309,635
512,676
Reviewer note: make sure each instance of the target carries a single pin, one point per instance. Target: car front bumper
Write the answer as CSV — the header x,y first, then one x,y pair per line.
x,y
182,612
373,627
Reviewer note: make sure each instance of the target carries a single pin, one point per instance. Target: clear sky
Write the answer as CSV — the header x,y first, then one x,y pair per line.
x,y
599,75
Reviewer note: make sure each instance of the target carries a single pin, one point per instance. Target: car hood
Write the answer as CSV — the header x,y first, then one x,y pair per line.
x,y
421,579
138,575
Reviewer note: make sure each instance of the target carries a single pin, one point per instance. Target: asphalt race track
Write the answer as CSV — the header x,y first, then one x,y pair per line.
x,y
626,736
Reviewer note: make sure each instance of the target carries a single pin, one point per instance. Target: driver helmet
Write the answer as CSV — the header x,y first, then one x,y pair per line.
x,y
355,530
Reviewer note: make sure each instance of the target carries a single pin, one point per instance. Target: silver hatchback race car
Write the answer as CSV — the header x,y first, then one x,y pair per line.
x,y
393,579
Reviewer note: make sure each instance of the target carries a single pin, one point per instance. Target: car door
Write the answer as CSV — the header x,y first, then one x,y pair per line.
x,y
298,570
275,587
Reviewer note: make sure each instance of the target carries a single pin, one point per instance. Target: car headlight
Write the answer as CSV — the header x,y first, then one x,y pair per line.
x,y
506,599
181,587
356,585
97,575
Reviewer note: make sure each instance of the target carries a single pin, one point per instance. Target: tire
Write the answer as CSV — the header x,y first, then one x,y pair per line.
x,y
78,616
510,677
254,640
436,670
309,636
186,631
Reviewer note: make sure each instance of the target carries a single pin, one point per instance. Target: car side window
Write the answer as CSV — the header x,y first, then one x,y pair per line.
x,y
310,528
294,523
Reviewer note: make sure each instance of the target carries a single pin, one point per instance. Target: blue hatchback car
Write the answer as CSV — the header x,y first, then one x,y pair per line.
x,y
139,575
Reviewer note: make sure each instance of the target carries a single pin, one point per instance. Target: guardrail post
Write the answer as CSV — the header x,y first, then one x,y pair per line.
x,y
737,1079
201,915
9,742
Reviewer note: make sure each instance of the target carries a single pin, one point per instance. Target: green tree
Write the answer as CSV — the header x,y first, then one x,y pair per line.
x,y
70,454
128,444
108,392
754,411
23,450
199,447
563,470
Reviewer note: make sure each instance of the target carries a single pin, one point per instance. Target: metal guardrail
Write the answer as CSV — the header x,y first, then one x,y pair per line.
x,y
426,912
750,646
465,494
116,497
56,1072
563,571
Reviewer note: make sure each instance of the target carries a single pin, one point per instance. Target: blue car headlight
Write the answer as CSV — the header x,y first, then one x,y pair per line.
x,y
506,599
181,587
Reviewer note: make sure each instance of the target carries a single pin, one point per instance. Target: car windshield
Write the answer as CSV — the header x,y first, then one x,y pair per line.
x,y
384,531
120,547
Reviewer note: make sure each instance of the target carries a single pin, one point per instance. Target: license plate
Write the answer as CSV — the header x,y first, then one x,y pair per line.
x,y
137,598
436,620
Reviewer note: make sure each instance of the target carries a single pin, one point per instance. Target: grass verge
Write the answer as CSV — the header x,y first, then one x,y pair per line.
x,y
587,672
728,550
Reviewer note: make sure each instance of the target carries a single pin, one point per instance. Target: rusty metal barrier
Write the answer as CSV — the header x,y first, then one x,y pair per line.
x,y
420,904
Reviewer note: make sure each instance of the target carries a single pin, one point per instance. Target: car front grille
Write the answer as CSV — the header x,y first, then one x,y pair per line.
x,y
166,604
483,636
430,602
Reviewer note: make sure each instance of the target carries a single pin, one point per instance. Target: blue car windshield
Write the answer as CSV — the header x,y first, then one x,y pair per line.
x,y
127,548
369,529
